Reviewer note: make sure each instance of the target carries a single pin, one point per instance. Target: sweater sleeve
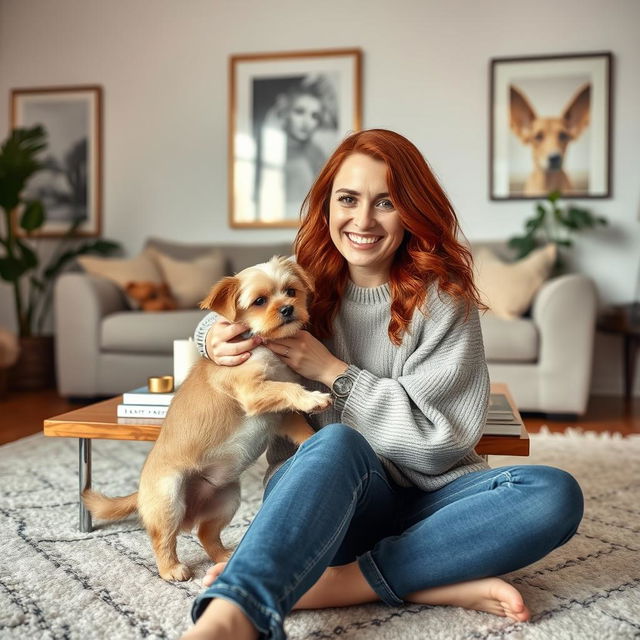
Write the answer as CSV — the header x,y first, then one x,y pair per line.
x,y
432,416
200,333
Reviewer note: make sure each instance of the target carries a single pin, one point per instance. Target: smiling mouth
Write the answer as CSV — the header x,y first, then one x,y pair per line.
x,y
356,238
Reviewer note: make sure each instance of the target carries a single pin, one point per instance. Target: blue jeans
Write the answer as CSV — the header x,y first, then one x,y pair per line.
x,y
333,503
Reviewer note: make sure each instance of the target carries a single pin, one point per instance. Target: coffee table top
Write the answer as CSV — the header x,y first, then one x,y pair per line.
x,y
99,421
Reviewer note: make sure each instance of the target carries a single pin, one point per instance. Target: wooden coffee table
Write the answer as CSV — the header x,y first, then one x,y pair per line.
x,y
99,421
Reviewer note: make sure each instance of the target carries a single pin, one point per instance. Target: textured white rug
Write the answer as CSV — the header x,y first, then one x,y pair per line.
x,y
58,583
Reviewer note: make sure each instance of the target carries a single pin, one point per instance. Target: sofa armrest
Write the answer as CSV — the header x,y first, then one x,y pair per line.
x,y
81,301
564,311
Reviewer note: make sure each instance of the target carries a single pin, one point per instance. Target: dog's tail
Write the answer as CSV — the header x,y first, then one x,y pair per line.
x,y
109,508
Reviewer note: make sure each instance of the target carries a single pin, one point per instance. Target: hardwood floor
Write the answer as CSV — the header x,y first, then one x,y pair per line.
x,y
22,413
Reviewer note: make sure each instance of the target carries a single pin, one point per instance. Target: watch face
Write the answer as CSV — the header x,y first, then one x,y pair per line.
x,y
342,385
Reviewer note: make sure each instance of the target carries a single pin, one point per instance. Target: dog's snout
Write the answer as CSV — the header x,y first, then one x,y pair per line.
x,y
555,161
287,310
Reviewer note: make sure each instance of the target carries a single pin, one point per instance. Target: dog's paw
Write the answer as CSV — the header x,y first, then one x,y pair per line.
x,y
316,401
178,573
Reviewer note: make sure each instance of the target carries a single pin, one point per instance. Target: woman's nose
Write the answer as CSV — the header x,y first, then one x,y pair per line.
x,y
363,217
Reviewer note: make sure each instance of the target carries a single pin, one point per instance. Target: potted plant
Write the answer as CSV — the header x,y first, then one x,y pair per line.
x,y
553,223
20,263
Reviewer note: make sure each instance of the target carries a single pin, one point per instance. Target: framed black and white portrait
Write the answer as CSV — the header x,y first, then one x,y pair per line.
x,y
550,126
70,184
287,112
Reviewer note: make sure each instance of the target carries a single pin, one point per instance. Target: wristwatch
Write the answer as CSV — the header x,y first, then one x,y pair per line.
x,y
342,385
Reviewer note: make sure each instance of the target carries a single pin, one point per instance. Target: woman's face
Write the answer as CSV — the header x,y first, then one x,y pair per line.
x,y
303,117
364,223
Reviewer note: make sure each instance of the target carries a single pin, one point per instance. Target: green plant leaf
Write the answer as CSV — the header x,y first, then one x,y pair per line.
x,y
18,163
33,216
12,268
29,257
523,245
554,196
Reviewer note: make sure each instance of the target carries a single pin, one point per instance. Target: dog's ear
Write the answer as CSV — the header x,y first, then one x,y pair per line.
x,y
576,113
223,298
303,276
521,114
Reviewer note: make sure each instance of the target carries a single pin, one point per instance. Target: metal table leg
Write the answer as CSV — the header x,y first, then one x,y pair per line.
x,y
84,476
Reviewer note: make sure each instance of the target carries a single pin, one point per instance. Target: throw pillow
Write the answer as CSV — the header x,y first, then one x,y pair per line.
x,y
122,271
508,288
190,280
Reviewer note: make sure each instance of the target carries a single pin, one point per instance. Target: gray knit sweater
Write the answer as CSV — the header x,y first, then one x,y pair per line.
x,y
421,405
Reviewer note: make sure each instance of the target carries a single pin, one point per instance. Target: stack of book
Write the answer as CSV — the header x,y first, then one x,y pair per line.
x,y
503,419
142,403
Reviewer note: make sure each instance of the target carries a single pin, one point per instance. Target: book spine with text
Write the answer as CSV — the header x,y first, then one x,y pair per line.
x,y
141,411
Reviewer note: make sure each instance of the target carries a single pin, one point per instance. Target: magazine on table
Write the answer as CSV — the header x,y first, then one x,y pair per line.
x,y
502,418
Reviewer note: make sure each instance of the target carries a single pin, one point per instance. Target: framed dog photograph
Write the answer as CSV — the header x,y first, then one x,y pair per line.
x,y
70,184
550,126
287,113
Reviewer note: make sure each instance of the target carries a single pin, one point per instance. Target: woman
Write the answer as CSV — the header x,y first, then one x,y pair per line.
x,y
387,500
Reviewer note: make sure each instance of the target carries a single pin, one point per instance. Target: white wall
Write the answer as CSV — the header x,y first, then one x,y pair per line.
x,y
163,66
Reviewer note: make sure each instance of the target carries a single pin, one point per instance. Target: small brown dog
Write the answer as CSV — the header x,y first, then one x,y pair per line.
x,y
220,420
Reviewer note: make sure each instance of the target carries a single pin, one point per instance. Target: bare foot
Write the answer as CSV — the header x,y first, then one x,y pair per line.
x,y
345,585
492,595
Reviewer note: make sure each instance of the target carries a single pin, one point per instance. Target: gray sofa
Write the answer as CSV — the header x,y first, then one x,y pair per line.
x,y
103,348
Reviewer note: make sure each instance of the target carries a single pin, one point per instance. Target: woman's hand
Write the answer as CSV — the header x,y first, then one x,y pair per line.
x,y
308,357
226,353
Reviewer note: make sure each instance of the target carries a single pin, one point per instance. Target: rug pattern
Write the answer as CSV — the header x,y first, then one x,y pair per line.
x,y
56,582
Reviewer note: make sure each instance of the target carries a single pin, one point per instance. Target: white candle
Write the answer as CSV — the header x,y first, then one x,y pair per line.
x,y
185,355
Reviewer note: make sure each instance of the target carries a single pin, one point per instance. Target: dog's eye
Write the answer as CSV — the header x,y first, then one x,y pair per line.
x,y
539,136
291,292
563,137
259,301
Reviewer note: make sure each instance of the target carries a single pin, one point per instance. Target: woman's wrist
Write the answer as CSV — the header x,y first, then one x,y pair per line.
x,y
331,372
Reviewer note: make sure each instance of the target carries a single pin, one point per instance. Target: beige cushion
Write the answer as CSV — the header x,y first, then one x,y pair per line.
x,y
142,268
508,288
190,280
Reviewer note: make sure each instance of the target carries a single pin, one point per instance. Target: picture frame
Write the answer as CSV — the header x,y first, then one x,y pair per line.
x,y
288,111
550,126
70,185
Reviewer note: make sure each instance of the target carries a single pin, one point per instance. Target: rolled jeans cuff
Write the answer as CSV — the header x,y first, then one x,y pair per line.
x,y
376,580
268,622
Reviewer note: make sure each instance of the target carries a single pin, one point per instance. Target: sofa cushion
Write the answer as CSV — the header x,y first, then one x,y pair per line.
x,y
140,332
238,256
509,340
190,280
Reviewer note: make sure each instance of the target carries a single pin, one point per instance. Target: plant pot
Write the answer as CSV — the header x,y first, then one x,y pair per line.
x,y
34,369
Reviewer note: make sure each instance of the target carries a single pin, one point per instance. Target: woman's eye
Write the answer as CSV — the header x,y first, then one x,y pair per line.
x,y
385,204
259,301
348,200
291,293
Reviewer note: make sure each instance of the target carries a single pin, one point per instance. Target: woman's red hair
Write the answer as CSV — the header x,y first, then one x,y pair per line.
x,y
430,250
